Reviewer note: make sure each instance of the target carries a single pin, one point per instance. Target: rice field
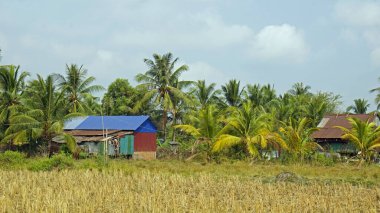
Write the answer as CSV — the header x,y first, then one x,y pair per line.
x,y
119,190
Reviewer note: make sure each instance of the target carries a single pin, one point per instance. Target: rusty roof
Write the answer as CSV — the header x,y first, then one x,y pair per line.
x,y
91,135
327,126
96,132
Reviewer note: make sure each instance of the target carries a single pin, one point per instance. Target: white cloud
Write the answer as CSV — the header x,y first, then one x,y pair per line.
x,y
280,42
72,51
362,18
372,36
203,30
349,35
375,57
104,55
203,71
359,13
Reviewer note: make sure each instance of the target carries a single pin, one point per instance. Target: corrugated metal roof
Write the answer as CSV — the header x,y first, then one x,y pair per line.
x,y
110,122
96,132
329,130
74,122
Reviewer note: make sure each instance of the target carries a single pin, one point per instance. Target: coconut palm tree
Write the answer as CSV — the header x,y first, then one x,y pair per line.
x,y
296,135
360,106
180,107
77,85
232,93
205,128
12,85
364,135
44,118
300,89
162,82
246,127
321,104
261,95
204,93
92,102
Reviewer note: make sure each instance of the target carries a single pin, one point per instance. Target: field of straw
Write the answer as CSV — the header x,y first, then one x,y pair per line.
x,y
146,191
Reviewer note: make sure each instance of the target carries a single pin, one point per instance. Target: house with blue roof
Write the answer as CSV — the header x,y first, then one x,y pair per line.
x,y
132,136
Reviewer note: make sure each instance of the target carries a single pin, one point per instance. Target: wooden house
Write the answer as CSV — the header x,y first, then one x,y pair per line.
x,y
330,137
132,136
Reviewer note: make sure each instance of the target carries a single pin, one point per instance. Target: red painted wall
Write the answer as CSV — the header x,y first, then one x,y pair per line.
x,y
145,142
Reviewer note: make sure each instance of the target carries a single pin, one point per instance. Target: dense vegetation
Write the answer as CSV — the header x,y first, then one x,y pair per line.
x,y
234,121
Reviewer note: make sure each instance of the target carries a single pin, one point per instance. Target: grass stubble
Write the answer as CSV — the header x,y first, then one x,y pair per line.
x,y
149,190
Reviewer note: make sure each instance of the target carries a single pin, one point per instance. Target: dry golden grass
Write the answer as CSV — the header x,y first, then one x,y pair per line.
x,y
145,191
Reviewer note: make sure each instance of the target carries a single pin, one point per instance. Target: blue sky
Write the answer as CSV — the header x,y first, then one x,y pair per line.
x,y
330,45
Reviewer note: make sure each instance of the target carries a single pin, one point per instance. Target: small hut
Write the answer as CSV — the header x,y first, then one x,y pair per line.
x,y
330,137
132,136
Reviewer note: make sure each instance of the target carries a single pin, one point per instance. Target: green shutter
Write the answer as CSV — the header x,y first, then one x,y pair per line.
x,y
127,145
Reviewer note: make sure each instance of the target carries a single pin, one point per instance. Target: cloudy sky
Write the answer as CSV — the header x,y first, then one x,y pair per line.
x,y
329,45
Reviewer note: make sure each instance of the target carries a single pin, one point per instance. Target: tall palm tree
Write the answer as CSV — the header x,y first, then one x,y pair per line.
x,y
232,92
300,89
364,135
204,93
296,135
77,85
205,128
44,119
321,104
95,108
179,108
285,107
162,82
360,106
246,127
12,85
377,100
260,95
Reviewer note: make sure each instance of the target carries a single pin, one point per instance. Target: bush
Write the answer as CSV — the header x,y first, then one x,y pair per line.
x,y
59,161
11,157
83,155
101,161
323,160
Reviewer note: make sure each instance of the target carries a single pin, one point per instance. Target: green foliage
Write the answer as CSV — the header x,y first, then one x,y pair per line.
x,y
205,94
60,161
322,160
261,95
232,93
205,129
299,89
295,135
360,106
12,85
162,82
248,127
12,157
364,135
235,121
44,117
120,98
76,86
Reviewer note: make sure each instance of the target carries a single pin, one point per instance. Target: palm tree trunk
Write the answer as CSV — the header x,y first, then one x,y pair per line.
x,y
174,123
49,148
164,120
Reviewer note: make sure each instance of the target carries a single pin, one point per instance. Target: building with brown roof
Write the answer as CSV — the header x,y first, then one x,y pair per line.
x,y
330,137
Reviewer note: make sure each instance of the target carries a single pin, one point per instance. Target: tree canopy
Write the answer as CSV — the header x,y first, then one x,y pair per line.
x,y
251,120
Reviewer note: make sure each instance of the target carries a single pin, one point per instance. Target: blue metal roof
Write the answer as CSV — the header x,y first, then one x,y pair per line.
x,y
110,123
